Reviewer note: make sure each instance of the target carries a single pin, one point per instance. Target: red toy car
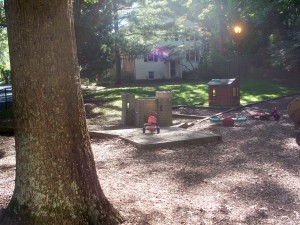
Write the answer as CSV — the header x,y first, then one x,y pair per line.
x,y
151,125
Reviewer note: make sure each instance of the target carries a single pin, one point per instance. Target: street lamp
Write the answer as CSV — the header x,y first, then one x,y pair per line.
x,y
237,30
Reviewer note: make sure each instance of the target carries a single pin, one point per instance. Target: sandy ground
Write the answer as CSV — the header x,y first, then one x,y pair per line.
x,y
251,177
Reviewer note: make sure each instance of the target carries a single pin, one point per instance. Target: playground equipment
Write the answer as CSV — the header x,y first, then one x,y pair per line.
x,y
135,111
294,111
151,125
267,116
227,121
224,92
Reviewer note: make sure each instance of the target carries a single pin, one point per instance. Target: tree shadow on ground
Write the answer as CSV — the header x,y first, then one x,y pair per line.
x,y
190,178
261,154
267,192
268,199
6,167
153,217
2,153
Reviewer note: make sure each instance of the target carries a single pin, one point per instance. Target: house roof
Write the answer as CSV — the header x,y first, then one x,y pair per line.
x,y
221,81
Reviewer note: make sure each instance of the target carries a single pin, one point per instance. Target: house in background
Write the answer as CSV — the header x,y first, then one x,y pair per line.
x,y
166,61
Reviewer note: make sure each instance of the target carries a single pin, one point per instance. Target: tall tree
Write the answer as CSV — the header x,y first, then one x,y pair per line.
x,y
115,5
56,180
4,54
98,38
107,29
276,31
120,9
2,15
93,28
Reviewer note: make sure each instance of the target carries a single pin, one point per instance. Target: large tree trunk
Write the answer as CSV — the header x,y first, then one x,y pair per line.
x,y
56,180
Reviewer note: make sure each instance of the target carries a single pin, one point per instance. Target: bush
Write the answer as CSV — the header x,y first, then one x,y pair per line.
x,y
127,78
5,74
6,114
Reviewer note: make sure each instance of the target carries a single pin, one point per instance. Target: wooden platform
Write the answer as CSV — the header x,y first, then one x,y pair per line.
x,y
168,136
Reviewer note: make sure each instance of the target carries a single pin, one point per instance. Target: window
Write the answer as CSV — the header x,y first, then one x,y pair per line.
x,y
151,58
151,75
192,37
197,57
214,94
176,37
235,92
172,68
193,55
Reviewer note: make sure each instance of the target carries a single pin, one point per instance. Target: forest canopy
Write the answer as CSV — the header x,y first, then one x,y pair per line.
x,y
105,30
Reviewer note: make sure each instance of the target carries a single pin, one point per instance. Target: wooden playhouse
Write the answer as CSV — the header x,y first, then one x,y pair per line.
x,y
135,111
224,92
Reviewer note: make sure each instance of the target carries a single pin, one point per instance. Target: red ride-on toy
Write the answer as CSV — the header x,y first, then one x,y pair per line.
x,y
151,125
267,116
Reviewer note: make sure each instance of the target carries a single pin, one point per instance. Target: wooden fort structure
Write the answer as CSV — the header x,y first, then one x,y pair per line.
x,y
135,111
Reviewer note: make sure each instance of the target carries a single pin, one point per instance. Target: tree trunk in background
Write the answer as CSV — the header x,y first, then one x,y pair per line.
x,y
117,45
56,180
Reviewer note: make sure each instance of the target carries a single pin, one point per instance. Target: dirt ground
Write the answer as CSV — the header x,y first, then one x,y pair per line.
x,y
251,177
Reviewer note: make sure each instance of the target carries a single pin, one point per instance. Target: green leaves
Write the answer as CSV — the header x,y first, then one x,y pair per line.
x,y
141,24
4,53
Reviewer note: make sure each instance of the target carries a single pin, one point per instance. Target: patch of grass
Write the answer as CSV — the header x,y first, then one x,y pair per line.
x,y
189,93
259,90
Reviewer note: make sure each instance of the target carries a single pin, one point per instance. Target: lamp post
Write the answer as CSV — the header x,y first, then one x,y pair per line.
x,y
237,32
237,29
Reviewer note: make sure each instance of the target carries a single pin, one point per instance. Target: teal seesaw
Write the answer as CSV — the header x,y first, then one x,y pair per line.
x,y
219,120
228,121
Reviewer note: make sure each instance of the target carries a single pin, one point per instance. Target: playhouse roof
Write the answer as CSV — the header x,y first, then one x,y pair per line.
x,y
221,81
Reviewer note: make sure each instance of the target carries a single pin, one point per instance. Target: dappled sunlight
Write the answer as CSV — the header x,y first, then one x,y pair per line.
x,y
111,111
255,98
195,93
254,91
291,145
246,170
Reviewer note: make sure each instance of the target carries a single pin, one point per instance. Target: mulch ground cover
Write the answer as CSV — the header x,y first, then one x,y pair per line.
x,y
251,177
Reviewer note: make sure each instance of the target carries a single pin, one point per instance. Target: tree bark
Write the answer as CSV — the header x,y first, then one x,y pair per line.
x,y
56,180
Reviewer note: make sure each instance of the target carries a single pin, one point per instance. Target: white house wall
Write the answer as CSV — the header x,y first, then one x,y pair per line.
x,y
160,69
177,49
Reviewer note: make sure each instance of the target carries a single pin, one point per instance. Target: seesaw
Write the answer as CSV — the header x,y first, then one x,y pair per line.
x,y
227,121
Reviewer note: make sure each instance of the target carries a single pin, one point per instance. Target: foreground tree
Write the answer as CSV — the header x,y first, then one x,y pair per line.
x,y
56,180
